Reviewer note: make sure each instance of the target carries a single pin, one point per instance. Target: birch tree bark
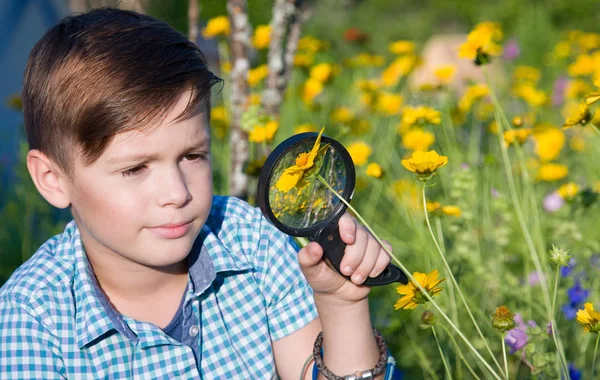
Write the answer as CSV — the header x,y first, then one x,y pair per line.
x,y
193,17
288,19
239,44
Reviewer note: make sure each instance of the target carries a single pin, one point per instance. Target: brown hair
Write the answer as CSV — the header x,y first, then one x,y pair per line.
x,y
104,72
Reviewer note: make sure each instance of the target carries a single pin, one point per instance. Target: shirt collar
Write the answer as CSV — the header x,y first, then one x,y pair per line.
x,y
95,316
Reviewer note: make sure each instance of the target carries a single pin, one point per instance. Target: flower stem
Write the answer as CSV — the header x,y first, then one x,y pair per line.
x,y
454,282
410,276
595,128
595,352
504,355
460,354
441,353
563,361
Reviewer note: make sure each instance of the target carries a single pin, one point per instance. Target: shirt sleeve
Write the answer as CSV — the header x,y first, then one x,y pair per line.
x,y
27,349
289,298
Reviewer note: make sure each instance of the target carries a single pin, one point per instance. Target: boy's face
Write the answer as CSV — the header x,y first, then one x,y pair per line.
x,y
146,198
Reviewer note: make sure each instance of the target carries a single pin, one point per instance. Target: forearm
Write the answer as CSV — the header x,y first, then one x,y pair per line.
x,y
348,341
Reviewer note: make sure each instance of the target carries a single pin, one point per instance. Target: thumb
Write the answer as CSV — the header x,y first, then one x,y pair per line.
x,y
309,258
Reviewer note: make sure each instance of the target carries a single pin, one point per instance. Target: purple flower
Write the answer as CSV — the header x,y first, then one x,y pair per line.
x,y
577,294
565,271
574,373
570,310
511,50
533,279
553,202
464,166
549,328
495,193
516,338
558,91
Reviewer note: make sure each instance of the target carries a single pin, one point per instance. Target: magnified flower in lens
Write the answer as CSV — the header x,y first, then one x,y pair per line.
x,y
424,164
412,295
304,161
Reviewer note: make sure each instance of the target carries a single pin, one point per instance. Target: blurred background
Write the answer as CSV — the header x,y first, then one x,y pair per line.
x,y
340,43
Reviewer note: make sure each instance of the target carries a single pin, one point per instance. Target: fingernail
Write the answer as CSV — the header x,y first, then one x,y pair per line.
x,y
358,278
348,270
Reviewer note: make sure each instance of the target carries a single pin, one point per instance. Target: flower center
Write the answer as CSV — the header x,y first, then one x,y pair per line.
x,y
302,159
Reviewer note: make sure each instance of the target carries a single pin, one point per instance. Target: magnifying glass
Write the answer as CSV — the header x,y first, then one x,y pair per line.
x,y
293,197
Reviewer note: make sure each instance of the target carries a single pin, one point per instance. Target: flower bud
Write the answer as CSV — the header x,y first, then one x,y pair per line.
x,y
503,320
427,319
560,256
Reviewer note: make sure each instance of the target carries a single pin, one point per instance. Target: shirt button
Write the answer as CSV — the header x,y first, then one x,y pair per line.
x,y
194,330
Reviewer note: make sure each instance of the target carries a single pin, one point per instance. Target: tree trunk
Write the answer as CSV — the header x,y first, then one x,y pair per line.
x,y
239,43
193,17
288,19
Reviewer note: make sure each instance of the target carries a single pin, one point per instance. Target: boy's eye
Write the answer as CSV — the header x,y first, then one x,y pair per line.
x,y
133,171
196,156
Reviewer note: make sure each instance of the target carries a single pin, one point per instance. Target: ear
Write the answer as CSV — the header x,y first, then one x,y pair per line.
x,y
49,179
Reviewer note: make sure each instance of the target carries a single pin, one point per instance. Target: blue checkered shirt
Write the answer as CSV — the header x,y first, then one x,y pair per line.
x,y
245,290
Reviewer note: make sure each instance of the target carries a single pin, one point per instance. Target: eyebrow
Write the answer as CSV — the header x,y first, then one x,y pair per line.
x,y
144,157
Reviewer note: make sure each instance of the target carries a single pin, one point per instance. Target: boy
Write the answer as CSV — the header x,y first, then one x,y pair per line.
x,y
155,278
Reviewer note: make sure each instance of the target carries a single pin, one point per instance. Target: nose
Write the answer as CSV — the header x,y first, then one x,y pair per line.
x,y
173,189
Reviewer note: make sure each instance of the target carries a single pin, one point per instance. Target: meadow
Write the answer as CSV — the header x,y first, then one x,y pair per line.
x,y
479,167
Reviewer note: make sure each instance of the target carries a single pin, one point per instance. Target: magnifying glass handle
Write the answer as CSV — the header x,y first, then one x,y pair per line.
x,y
333,247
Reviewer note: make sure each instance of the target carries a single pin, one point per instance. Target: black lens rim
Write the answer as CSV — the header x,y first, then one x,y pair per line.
x,y
266,174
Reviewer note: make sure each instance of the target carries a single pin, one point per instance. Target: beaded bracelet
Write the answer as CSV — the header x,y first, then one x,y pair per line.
x,y
358,375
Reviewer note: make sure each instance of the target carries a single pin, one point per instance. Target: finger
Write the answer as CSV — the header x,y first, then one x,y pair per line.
x,y
383,260
348,227
372,252
353,255
310,256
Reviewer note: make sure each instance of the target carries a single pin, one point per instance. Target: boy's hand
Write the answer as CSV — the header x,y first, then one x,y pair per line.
x,y
363,258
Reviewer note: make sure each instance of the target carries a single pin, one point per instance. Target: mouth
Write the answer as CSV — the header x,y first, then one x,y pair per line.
x,y
172,230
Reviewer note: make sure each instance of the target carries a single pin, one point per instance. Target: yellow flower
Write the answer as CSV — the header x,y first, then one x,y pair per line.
x,y
343,115
568,190
562,50
367,60
420,115
402,47
321,72
226,67
389,104
473,94
418,140
310,44
304,128
303,60
360,152
593,97
531,95
255,76
412,295
480,46
218,26
584,65
576,89
374,170
311,89
517,135
219,114
527,74
254,99
424,164
304,161
400,67
581,117
451,210
433,206
589,318
263,133
552,172
262,36
445,73
548,143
